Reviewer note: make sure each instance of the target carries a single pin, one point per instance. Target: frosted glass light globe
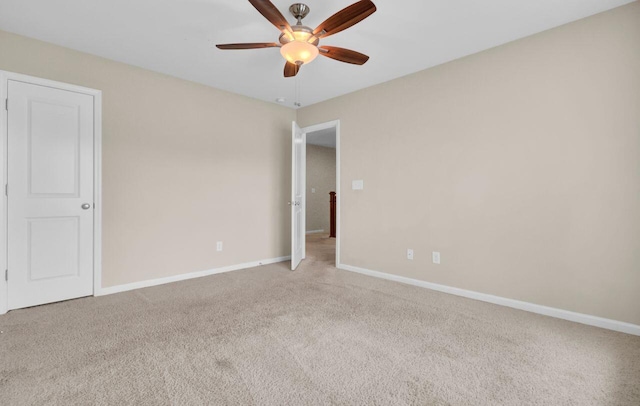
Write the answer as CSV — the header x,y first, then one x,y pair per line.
x,y
299,51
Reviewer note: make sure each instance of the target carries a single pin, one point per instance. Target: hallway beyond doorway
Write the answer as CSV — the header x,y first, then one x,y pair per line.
x,y
321,248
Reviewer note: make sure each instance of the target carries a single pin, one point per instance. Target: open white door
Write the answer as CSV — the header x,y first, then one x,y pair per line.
x,y
298,181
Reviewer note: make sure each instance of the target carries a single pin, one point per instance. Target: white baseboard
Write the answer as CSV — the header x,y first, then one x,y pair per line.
x,y
315,232
516,304
161,281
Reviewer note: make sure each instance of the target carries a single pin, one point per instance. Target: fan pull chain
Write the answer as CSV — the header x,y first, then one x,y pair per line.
x,y
297,93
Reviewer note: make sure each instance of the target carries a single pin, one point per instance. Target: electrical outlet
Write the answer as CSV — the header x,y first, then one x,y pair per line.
x,y
313,190
409,253
436,257
219,246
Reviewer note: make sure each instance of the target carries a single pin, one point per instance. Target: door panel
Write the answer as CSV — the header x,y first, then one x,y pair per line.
x,y
52,149
298,151
50,178
52,247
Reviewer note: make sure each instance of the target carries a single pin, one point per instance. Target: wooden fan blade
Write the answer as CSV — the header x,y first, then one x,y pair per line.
x,y
248,45
344,55
345,18
291,69
271,13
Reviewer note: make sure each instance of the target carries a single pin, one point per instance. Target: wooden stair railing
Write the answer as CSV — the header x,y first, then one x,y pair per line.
x,y
332,215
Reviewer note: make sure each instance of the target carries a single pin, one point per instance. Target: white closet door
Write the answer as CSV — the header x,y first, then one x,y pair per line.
x,y
50,194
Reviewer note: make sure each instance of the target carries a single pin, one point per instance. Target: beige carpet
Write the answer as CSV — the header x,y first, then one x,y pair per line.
x,y
269,336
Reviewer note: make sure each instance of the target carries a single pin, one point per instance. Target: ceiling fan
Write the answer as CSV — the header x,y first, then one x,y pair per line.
x,y
299,44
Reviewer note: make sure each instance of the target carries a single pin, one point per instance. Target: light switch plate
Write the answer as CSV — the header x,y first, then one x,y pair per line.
x,y
357,184
313,190
436,257
219,246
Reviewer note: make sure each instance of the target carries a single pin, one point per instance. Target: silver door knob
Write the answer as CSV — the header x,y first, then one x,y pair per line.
x,y
86,206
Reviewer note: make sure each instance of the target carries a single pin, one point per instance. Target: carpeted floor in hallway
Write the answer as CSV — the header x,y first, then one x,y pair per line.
x,y
316,336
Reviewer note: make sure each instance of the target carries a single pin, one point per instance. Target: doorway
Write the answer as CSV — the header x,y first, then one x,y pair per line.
x,y
51,207
303,193
321,185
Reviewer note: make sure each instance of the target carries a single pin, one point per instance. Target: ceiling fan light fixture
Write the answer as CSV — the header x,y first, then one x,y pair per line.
x,y
299,43
299,52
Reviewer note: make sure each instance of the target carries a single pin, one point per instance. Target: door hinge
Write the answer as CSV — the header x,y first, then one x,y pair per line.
x,y
6,189
6,275
6,104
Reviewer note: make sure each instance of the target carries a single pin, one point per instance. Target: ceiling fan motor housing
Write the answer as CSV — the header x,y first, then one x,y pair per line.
x,y
301,33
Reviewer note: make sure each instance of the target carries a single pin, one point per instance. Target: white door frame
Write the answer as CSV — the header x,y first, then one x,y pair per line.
x,y
97,171
324,126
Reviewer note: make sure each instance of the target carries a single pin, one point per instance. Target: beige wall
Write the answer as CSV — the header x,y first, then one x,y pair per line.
x,y
321,176
520,164
182,166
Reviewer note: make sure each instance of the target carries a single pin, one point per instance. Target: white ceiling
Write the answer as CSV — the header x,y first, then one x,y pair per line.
x,y
177,37
323,138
